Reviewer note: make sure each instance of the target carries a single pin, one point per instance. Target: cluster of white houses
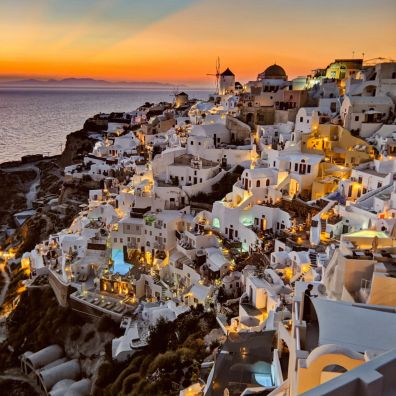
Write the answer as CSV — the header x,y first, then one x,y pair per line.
x,y
248,198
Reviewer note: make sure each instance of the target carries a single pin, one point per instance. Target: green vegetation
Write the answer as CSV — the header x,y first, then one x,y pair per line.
x,y
170,362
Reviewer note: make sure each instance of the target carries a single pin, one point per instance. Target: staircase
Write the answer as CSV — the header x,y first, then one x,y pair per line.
x,y
164,289
157,280
296,278
314,259
322,225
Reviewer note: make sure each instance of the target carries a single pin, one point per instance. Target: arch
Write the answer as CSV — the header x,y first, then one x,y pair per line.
x,y
315,370
369,90
249,118
334,368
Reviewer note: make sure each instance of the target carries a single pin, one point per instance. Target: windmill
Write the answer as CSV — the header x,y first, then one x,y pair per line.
x,y
174,93
217,74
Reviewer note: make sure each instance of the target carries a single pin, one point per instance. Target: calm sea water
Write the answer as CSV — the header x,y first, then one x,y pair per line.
x,y
37,120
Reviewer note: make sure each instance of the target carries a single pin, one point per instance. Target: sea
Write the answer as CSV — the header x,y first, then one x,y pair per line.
x,y
37,120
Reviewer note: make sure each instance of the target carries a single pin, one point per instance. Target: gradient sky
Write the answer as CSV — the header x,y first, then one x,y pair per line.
x,y
179,40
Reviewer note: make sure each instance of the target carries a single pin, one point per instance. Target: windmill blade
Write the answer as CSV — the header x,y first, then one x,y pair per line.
x,y
216,74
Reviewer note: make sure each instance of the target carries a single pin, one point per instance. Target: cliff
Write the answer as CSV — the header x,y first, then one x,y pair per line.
x,y
36,182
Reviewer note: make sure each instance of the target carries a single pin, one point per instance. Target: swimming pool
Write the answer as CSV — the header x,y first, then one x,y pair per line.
x,y
120,265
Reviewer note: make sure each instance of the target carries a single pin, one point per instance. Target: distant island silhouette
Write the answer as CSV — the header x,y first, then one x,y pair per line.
x,y
84,82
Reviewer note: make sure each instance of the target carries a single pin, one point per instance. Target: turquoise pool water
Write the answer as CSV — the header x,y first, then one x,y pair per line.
x,y
120,265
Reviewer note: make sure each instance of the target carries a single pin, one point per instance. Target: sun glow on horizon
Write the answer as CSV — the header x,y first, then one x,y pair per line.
x,y
178,41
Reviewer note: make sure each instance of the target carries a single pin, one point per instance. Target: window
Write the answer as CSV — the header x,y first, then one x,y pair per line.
x,y
350,191
309,168
267,182
379,185
360,179
301,119
295,167
258,183
308,121
200,179
356,118
274,164
121,240
115,240
199,143
192,143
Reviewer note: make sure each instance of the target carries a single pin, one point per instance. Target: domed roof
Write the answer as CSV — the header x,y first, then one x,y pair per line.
x,y
273,72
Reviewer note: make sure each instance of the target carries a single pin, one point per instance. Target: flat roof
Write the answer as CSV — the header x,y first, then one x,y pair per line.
x,y
359,327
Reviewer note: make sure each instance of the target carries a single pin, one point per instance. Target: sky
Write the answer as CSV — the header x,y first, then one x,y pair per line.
x,y
178,41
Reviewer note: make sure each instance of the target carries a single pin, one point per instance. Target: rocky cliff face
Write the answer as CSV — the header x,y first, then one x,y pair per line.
x,y
15,186
78,144
56,204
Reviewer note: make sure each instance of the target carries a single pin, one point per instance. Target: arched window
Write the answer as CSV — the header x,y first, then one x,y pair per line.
x,y
335,368
258,183
216,222
267,182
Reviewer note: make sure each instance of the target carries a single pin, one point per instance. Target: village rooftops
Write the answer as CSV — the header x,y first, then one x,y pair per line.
x,y
185,160
372,172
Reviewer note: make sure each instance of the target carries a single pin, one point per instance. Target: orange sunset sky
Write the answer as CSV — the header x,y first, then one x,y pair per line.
x,y
178,40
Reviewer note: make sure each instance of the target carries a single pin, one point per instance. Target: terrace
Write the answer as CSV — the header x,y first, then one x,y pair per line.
x,y
105,303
